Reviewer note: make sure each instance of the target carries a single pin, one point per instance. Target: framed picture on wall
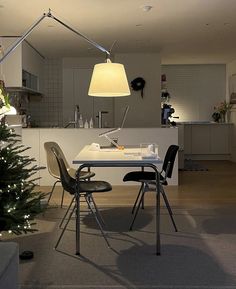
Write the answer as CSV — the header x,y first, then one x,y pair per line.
x,y
232,88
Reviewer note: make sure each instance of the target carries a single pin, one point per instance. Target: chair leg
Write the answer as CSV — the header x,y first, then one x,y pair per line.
x,y
168,208
137,198
67,211
63,231
97,220
62,197
96,209
53,187
137,210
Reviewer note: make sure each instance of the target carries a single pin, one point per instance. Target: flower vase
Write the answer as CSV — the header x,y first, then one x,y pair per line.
x,y
222,117
227,117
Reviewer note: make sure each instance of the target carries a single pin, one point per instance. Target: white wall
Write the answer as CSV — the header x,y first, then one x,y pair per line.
x,y
144,112
195,89
11,67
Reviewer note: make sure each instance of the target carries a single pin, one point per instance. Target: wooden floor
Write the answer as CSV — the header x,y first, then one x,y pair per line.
x,y
196,188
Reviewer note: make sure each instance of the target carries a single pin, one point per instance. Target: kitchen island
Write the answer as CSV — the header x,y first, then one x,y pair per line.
x,y
72,140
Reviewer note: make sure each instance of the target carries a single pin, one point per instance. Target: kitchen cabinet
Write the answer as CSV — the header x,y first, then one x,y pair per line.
x,y
207,140
23,68
200,139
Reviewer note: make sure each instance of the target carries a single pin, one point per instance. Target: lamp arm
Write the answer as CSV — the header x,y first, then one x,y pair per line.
x,y
81,35
21,39
112,141
110,131
49,14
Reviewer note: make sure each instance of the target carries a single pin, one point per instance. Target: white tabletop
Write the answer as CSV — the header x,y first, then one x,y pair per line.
x,y
112,155
129,157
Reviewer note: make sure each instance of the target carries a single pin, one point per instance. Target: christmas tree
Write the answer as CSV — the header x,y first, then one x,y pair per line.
x,y
19,202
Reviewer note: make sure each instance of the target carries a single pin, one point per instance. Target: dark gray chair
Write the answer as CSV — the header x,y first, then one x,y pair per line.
x,y
147,180
54,170
85,189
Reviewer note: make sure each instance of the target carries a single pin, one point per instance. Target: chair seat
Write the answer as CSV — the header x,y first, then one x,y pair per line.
x,y
94,186
140,176
88,187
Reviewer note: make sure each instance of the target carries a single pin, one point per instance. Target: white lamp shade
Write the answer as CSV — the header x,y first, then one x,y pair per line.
x,y
109,80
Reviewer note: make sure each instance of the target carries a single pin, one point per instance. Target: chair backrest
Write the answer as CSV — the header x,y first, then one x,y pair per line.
x,y
51,160
169,160
68,183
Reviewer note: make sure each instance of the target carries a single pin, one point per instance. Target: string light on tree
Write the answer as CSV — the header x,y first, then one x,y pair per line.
x,y
19,201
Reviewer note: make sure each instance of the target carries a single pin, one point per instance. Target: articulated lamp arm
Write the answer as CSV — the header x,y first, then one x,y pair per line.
x,y
49,14
95,44
22,38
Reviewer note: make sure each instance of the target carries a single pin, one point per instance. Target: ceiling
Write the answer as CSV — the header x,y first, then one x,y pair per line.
x,y
182,31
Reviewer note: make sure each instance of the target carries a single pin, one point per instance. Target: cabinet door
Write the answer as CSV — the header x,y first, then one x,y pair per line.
x,y
68,95
187,139
81,82
220,139
201,139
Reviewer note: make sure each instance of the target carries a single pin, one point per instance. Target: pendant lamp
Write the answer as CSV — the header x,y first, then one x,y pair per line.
x,y
109,80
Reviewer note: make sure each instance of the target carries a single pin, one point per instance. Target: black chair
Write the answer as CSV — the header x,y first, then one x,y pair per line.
x,y
54,170
85,189
147,180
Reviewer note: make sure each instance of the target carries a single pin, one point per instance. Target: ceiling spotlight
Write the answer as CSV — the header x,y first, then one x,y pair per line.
x,y
147,8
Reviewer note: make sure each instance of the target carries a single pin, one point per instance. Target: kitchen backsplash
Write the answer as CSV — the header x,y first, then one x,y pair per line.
x,y
46,111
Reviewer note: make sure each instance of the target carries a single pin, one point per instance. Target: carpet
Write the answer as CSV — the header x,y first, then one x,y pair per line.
x,y
190,165
200,256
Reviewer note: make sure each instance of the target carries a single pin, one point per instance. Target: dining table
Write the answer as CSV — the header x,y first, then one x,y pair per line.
x,y
111,157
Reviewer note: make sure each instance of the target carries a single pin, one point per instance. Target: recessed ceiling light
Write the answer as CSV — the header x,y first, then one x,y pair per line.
x,y
146,8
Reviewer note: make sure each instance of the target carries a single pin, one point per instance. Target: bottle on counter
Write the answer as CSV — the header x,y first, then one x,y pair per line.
x,y
86,125
91,123
81,124
24,120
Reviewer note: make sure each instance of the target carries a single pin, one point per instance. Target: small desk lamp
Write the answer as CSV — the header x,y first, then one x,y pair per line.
x,y
106,133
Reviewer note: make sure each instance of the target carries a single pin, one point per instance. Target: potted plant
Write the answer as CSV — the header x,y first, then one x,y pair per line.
x,y
221,112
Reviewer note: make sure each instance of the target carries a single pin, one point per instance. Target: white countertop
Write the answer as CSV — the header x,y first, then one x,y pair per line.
x,y
203,122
